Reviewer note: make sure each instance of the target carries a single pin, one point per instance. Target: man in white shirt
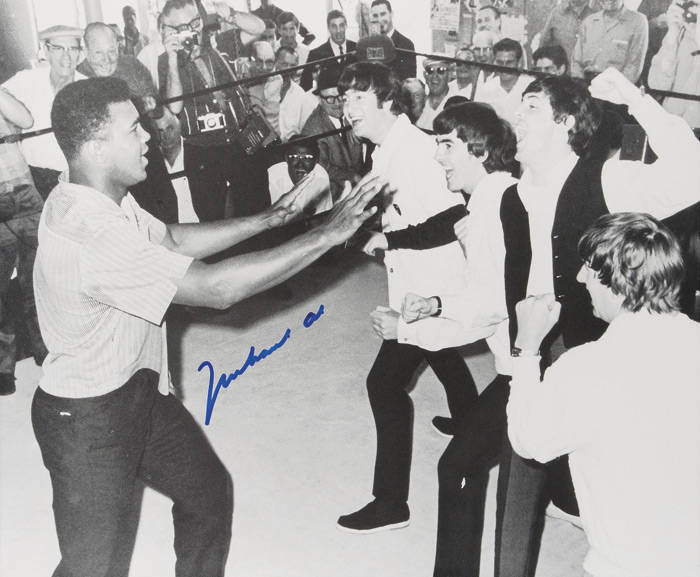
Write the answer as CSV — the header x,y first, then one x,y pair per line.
x,y
437,79
36,89
559,195
465,74
625,408
504,90
105,274
170,143
285,104
404,158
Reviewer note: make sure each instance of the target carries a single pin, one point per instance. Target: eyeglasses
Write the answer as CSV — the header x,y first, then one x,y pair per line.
x,y
305,157
441,70
332,98
58,49
194,25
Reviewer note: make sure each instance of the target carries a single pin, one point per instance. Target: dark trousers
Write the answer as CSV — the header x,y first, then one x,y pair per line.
x,y
97,448
525,487
226,182
463,473
387,383
18,244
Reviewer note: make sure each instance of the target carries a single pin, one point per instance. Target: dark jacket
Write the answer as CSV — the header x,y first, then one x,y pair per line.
x,y
325,51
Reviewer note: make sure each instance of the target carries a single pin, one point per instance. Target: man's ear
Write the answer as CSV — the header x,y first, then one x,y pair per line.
x,y
483,157
569,122
94,151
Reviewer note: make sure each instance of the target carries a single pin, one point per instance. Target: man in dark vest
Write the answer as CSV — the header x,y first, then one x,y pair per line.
x,y
561,193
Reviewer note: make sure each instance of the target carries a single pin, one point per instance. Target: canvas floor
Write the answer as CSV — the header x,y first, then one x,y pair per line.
x,y
296,432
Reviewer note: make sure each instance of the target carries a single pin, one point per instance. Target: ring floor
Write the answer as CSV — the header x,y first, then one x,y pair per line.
x,y
297,434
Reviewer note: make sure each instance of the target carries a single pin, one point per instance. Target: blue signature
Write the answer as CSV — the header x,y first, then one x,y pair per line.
x,y
226,379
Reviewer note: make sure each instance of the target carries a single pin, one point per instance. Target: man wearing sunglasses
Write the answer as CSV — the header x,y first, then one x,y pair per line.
x,y
36,89
340,154
437,79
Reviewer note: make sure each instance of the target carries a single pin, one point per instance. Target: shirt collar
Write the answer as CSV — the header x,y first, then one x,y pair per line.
x,y
537,196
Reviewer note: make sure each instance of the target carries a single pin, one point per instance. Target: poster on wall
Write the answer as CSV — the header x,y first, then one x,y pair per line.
x,y
444,15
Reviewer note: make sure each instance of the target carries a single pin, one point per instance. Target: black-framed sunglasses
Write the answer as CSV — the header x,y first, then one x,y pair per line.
x,y
441,70
193,25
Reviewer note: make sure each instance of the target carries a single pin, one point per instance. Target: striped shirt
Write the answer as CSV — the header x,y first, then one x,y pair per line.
x,y
102,283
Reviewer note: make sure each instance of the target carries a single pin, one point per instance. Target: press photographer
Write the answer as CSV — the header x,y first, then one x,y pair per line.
x,y
221,132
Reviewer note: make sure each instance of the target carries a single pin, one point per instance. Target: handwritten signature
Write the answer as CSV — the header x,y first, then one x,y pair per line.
x,y
226,379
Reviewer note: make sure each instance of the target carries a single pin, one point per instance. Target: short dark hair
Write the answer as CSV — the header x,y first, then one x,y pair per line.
x,y
385,2
496,11
284,17
81,110
333,14
508,45
374,76
455,100
638,258
555,53
171,5
568,97
483,130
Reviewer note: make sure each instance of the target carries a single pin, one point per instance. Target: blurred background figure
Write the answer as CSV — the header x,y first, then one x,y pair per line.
x,y
437,80
465,74
134,41
551,59
413,94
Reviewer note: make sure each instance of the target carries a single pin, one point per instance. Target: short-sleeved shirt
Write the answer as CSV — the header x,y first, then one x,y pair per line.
x,y
103,283
33,88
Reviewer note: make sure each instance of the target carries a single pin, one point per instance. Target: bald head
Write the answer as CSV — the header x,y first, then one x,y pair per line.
x,y
102,48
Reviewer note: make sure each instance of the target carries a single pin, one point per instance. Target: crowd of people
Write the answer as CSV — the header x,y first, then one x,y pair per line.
x,y
498,200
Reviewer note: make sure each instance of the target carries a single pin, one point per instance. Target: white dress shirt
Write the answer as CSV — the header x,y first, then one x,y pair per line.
x,y
505,103
295,110
626,409
405,159
485,253
429,113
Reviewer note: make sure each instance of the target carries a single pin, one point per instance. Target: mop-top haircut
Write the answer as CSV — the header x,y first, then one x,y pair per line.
x,y
638,258
483,130
81,110
375,77
567,97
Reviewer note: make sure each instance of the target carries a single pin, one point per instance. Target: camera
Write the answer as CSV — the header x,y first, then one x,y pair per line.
x,y
188,40
688,16
211,121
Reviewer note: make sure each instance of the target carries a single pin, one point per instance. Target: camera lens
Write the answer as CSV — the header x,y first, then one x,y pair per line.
x,y
211,122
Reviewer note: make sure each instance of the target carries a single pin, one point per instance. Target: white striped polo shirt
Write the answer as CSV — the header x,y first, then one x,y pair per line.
x,y
102,283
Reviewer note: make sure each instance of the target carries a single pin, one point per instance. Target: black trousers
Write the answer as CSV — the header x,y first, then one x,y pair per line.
x,y
463,474
97,448
387,383
525,487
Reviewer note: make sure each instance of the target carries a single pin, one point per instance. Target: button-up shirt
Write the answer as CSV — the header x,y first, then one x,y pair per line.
x,y
562,26
619,41
626,409
405,159
102,283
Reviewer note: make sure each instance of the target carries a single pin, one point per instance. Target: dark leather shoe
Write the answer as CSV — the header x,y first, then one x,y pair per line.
x,y
376,516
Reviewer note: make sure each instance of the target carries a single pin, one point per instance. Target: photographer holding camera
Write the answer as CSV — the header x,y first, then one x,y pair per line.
x,y
676,66
217,127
